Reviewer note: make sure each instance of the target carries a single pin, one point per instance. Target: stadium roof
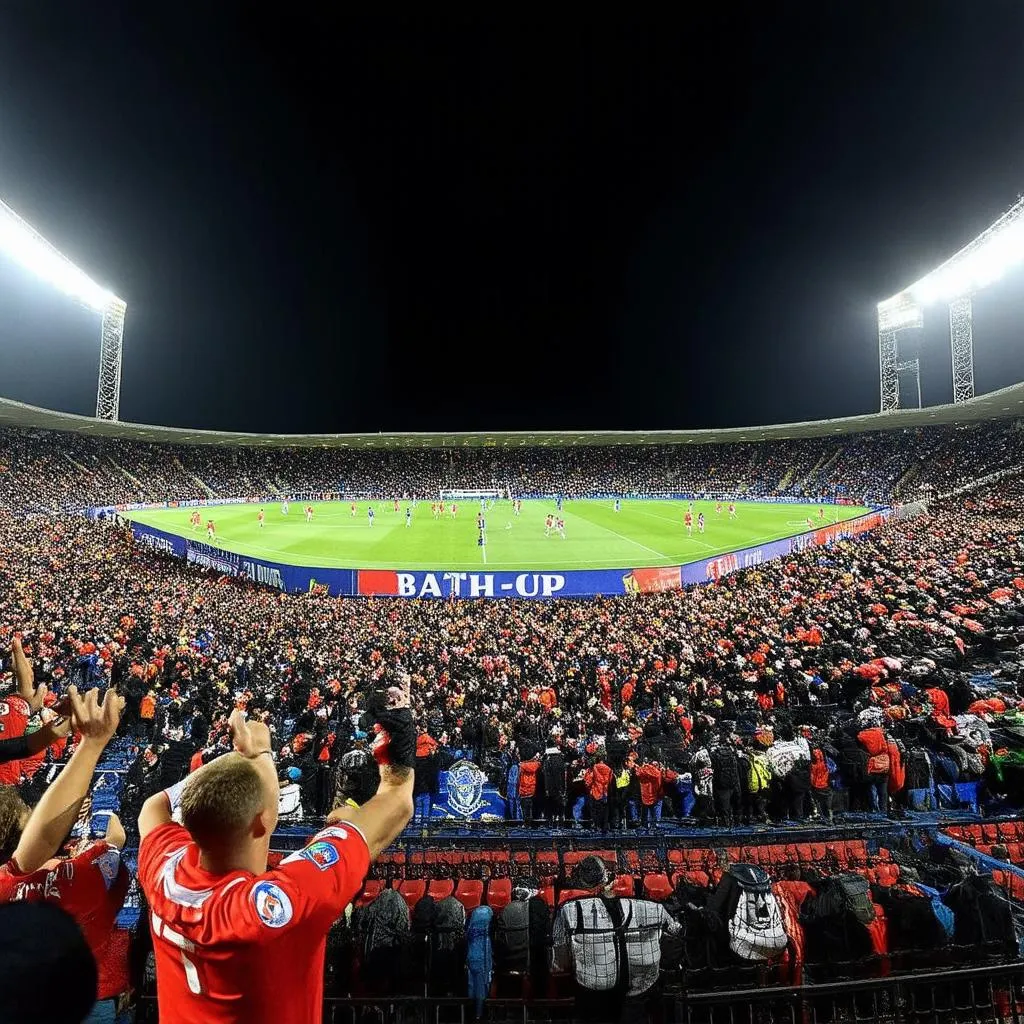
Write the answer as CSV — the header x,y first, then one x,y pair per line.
x,y
1007,402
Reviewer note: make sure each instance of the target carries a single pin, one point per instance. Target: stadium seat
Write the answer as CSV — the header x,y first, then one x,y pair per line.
x,y
440,888
499,893
470,893
571,894
624,885
990,833
413,891
692,877
372,888
657,887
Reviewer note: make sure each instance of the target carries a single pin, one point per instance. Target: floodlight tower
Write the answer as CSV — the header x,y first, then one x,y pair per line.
x,y
23,243
976,265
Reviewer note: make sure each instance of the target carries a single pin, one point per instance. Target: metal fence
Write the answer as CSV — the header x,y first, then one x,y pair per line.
x,y
980,995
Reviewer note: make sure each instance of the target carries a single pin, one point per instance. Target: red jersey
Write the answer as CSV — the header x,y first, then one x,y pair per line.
x,y
243,947
14,716
90,887
688,519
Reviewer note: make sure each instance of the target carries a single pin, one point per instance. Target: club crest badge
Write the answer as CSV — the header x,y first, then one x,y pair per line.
x,y
465,788
273,907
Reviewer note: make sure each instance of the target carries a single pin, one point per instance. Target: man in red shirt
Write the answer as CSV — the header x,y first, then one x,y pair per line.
x,y
16,709
90,886
235,942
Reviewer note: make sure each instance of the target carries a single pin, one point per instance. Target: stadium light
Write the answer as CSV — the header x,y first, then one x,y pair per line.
x,y
978,264
20,241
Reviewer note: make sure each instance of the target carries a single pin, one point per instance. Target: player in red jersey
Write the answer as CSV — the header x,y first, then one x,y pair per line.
x,y
195,520
549,522
352,510
211,530
718,509
396,505
688,523
233,941
261,517
455,510
732,510
309,513
560,527
433,509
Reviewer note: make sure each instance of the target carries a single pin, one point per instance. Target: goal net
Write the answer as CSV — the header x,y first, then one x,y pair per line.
x,y
470,494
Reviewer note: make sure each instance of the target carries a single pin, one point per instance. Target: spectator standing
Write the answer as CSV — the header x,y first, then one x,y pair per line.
x,y
612,946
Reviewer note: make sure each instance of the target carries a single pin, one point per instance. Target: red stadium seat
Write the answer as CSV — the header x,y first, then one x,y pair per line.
x,y
624,885
657,887
440,888
371,890
413,891
571,894
499,893
989,833
470,893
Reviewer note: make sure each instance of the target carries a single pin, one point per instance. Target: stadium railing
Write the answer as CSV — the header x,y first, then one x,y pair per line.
x,y
978,995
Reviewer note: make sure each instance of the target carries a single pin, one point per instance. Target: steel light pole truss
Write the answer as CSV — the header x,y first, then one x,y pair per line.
x,y
108,391
961,340
977,265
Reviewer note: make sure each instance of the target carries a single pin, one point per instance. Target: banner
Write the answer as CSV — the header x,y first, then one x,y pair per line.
x,y
442,583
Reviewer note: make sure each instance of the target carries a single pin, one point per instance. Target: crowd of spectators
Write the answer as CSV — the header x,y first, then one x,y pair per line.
x,y
44,471
809,686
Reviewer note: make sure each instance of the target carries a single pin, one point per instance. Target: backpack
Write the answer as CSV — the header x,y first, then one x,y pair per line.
x,y
981,914
878,764
620,925
512,938
385,931
755,927
819,769
447,947
760,775
919,770
479,950
724,763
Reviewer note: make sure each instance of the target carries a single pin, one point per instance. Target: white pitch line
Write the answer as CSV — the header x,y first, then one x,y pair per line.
x,y
636,543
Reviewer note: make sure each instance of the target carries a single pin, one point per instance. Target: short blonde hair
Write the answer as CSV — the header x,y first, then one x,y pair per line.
x,y
220,802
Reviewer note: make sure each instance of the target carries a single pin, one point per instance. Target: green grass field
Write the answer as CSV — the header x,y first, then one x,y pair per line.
x,y
644,533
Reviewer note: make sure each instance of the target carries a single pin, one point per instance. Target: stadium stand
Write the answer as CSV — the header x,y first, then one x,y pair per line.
x,y
874,689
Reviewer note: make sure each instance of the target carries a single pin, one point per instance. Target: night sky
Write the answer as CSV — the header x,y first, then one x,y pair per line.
x,y
464,222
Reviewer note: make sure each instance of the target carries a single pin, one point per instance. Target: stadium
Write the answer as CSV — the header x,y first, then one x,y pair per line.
x,y
707,725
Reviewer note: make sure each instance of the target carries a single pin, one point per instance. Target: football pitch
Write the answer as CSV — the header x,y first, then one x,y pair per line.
x,y
644,533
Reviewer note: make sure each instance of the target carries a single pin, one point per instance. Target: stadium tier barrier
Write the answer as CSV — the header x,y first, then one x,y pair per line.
x,y
442,583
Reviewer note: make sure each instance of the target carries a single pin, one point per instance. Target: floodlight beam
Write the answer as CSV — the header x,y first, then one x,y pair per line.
x,y
977,265
961,343
24,244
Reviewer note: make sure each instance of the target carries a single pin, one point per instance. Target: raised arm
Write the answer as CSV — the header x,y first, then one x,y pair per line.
x,y
57,811
382,818
27,689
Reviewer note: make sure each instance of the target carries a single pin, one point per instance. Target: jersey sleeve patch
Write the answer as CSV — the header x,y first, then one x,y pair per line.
x,y
323,855
273,907
109,864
